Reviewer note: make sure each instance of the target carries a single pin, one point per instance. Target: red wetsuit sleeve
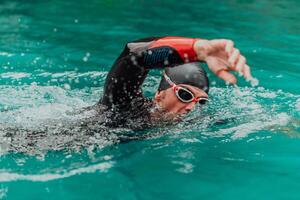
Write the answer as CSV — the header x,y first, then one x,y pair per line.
x,y
183,46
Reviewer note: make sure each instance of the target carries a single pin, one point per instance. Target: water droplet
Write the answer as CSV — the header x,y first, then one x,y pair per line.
x,y
85,59
33,84
254,82
67,86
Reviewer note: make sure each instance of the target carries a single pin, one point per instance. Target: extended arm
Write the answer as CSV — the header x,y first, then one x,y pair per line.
x,y
123,83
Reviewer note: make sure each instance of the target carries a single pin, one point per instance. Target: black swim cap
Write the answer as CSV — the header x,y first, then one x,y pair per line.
x,y
190,74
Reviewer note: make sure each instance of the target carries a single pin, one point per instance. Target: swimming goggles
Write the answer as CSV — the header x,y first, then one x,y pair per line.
x,y
184,94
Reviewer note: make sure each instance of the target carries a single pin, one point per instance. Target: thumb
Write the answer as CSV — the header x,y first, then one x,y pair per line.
x,y
227,76
219,67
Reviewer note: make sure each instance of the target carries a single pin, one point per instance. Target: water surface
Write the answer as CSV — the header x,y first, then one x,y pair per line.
x,y
54,58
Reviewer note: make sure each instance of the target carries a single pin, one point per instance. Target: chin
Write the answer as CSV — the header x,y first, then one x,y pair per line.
x,y
181,113
171,116
174,118
179,116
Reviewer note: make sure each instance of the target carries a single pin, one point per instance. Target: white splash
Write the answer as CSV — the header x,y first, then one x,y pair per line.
x,y
243,130
190,140
9,177
15,75
73,74
251,110
297,106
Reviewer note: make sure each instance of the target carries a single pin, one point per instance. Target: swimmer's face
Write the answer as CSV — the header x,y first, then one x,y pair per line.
x,y
169,102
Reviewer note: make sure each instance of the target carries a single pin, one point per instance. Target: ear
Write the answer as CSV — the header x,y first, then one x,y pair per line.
x,y
157,96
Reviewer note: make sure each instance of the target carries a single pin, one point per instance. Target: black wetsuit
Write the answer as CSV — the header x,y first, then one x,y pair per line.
x,y
122,90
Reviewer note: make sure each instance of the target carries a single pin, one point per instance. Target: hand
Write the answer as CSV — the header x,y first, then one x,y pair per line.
x,y
221,57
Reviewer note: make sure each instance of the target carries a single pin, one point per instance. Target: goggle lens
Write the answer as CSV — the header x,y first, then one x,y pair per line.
x,y
203,101
185,95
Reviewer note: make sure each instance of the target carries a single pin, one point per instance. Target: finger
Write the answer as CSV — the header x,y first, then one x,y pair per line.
x,y
234,57
247,72
229,47
221,44
240,65
227,77
222,64
215,65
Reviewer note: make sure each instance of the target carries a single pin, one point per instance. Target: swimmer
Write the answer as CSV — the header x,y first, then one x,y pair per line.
x,y
184,83
183,87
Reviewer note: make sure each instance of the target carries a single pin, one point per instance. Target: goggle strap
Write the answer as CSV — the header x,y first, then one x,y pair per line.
x,y
169,80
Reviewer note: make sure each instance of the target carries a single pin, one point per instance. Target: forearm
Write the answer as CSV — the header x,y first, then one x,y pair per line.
x,y
169,52
184,47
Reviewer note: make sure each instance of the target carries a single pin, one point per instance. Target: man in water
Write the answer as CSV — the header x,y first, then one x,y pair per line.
x,y
184,83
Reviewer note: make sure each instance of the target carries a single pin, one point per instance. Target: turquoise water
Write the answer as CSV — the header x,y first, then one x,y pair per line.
x,y
54,57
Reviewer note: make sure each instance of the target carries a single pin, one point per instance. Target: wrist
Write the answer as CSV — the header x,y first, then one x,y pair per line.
x,y
200,48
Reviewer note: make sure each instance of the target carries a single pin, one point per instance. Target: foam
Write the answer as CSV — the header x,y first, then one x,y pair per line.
x,y
297,105
45,113
9,177
190,140
244,130
15,75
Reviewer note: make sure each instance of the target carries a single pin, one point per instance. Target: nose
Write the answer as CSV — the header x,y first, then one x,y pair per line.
x,y
190,106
